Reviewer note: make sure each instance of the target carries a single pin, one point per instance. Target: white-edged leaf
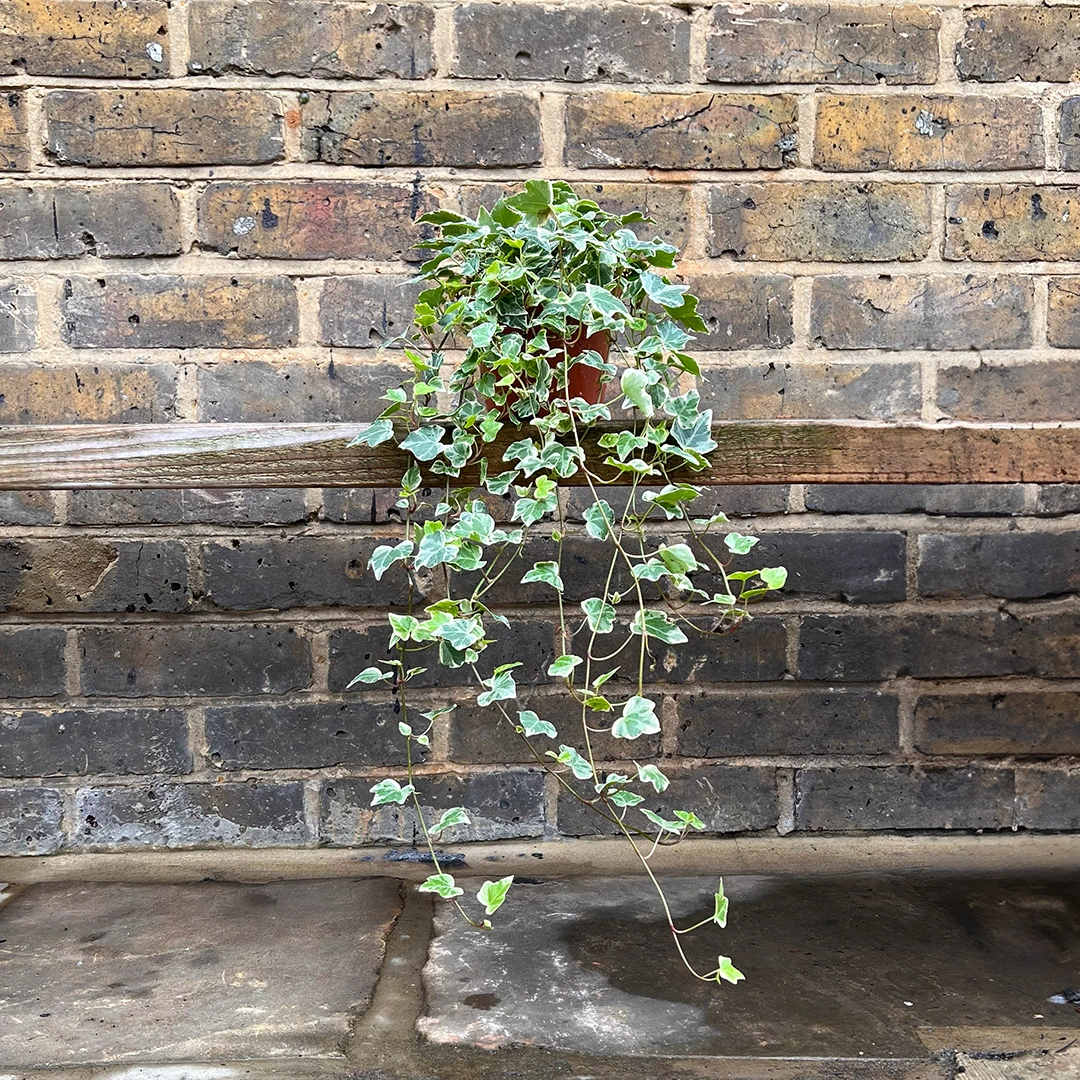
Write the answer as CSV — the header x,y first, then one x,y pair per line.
x,y
443,885
454,816
564,665
385,555
634,385
531,724
650,774
390,791
493,893
638,718
598,519
547,572
600,614
738,544
369,675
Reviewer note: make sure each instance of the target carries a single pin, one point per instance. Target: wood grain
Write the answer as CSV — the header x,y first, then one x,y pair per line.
x,y
316,455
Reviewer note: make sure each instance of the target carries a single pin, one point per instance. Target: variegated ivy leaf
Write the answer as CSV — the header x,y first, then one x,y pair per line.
x,y
727,971
738,544
404,627
454,816
635,387
662,292
650,774
601,615
564,665
443,885
721,910
385,555
689,820
567,755
656,624
390,791
547,572
437,545
493,893
626,798
775,577
638,718
663,824
531,724
377,432
425,443
369,675
599,519
500,687
678,558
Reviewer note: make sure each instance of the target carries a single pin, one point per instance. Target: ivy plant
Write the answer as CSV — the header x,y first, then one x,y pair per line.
x,y
491,409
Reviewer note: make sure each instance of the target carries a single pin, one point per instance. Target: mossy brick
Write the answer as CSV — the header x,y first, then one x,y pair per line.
x,y
84,742
1009,722
294,392
822,43
26,508
820,221
87,393
437,127
1063,317
1033,44
747,721
903,797
256,814
248,573
679,131
957,311
31,821
530,641
138,311
862,647
1019,392
108,220
310,735
42,576
18,317
162,127
615,43
32,662
1048,799
187,506
952,500
366,311
93,39
766,390
204,659
860,132
322,40
743,311
14,133
1009,566
1011,223
503,805
315,219
727,798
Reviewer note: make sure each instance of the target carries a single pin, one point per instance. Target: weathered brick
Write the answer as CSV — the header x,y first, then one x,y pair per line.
x,y
1019,392
32,662
733,723
1011,722
364,312
252,814
81,742
163,127
31,821
1012,42
14,137
744,311
86,38
502,806
170,311
25,508
187,506
111,221
994,223
481,736
18,317
1063,329
305,736
176,661
440,127
841,391
679,131
909,131
955,312
334,391
532,642
1056,499
903,797
821,44
249,574
321,40
742,501
728,799
1009,565
938,645
1048,799
954,500
314,219
820,221
90,574
616,43
87,393
1069,138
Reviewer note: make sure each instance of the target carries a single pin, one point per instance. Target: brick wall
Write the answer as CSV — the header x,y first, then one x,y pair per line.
x,y
206,211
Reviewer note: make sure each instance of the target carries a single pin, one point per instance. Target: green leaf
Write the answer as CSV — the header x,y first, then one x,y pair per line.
x,y
535,201
567,755
437,545
600,614
547,572
461,633
384,556
370,675
531,724
634,385
663,824
493,893
500,687
678,558
671,497
598,703
598,519
638,718
626,798
727,971
650,774
454,816
404,627
443,884
404,729
721,910
690,820
390,791
379,431
483,333
425,444
564,665
653,570
775,577
696,436
608,306
662,292
738,544
656,624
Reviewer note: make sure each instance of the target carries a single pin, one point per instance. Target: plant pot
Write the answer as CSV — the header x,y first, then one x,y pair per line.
x,y
584,381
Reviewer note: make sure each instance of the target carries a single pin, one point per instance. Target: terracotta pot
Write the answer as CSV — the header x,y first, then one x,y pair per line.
x,y
584,381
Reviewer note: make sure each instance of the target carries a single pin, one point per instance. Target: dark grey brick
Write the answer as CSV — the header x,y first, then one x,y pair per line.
x,y
32,662
1009,722
903,797
25,508
174,661
503,805
18,318
252,814
747,500
187,506
1056,499
727,798
1048,799
748,721
1018,392
952,500
306,736
81,742
30,821
363,312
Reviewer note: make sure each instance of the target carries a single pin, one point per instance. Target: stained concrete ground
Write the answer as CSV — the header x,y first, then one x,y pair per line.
x,y
883,978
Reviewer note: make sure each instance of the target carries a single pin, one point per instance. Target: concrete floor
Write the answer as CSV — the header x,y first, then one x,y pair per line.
x,y
882,977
